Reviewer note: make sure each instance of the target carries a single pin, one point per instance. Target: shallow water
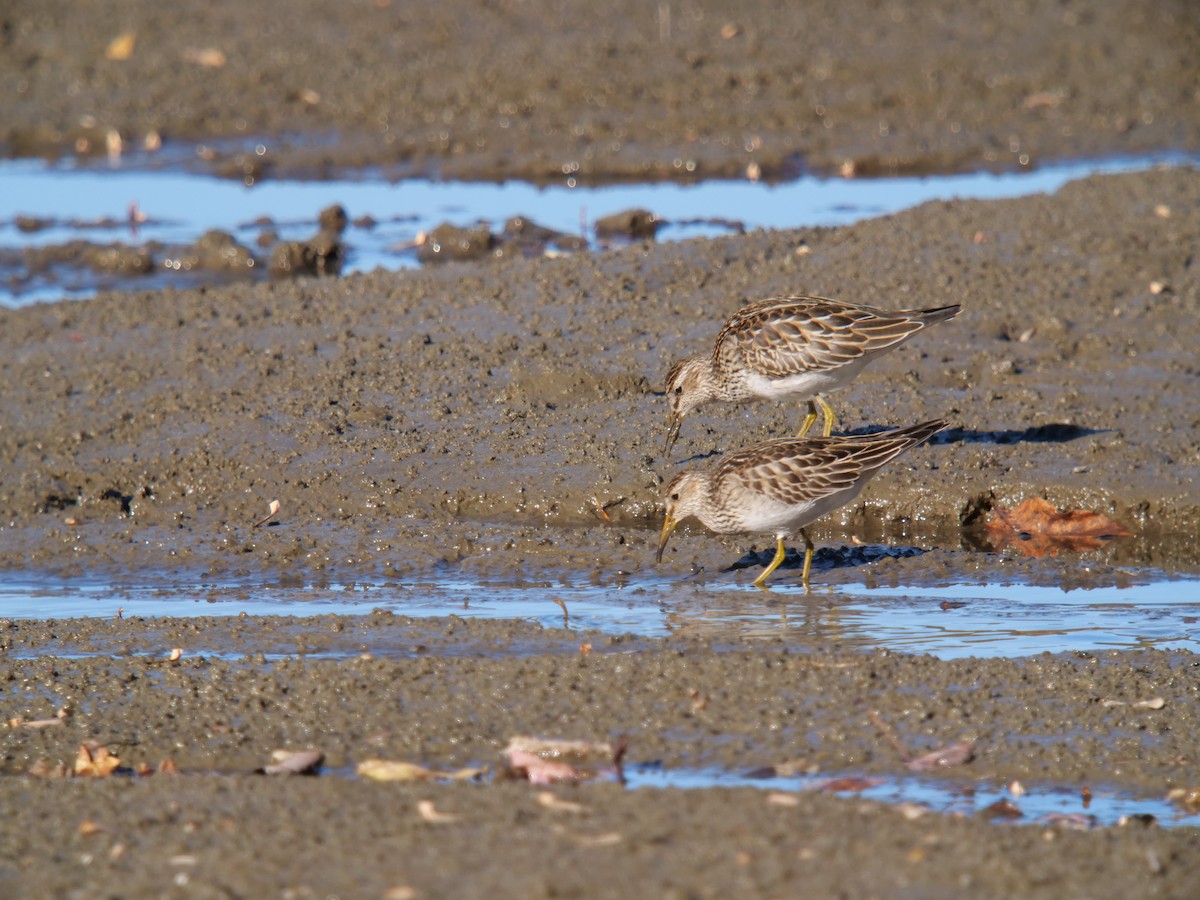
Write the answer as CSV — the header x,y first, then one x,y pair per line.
x,y
947,621
93,202
1048,804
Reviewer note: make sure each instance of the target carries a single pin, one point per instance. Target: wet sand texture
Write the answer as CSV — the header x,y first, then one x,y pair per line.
x,y
467,416
537,91
460,421
236,833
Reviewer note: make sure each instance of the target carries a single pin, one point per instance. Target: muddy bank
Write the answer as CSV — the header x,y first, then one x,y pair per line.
x,y
467,419
220,830
668,90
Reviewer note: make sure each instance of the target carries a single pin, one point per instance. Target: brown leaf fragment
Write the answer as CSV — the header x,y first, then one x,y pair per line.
x,y
1002,809
536,770
168,767
607,839
272,508
599,509
43,768
555,748
779,798
87,828
1187,798
1152,703
429,813
95,760
208,57
399,770
851,783
551,801
120,48
951,604
943,757
294,762
1038,529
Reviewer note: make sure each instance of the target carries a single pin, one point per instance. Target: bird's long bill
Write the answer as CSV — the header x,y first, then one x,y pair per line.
x,y
672,432
668,526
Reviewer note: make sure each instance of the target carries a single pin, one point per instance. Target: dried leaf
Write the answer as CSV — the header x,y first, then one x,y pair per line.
x,y
1188,798
600,510
1037,528
429,813
95,760
1002,809
1152,703
168,767
398,770
121,47
294,762
272,508
536,770
43,768
551,801
555,748
208,57
852,783
943,757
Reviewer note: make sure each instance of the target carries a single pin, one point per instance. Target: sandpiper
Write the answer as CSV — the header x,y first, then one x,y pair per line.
x,y
780,486
799,347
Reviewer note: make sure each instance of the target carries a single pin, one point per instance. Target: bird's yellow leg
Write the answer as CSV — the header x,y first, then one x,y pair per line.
x,y
808,558
827,411
809,419
780,553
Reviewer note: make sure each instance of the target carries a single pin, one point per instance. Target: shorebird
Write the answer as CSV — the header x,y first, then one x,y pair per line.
x,y
799,347
780,486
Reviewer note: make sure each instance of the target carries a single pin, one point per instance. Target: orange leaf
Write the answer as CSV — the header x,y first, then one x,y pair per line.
x,y
94,759
1037,528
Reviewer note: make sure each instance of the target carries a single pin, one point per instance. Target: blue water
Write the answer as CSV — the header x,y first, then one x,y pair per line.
x,y
180,206
993,621
1047,804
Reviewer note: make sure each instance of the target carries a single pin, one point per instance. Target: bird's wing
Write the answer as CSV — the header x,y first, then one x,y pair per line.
x,y
790,335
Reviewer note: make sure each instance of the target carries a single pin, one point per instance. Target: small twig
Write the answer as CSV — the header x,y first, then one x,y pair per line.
x,y
274,508
890,735
566,615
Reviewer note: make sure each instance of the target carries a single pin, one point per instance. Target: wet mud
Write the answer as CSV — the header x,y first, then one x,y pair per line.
x,y
466,421
668,90
451,693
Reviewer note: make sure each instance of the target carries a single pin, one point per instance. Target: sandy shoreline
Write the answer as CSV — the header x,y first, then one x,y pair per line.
x,y
462,421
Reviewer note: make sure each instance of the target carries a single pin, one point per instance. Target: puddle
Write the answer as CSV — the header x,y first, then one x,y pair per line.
x,y
1047,804
947,621
76,202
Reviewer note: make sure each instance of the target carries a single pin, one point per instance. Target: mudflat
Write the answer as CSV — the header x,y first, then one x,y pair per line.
x,y
466,420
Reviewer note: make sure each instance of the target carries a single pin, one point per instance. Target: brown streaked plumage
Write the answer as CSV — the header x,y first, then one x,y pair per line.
x,y
799,347
778,487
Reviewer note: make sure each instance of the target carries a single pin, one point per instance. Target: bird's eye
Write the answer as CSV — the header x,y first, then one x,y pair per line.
x,y
679,390
675,496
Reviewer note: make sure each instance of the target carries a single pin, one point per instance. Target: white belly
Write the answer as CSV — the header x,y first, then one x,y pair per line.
x,y
762,515
804,385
